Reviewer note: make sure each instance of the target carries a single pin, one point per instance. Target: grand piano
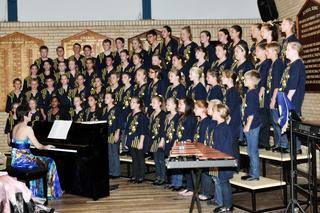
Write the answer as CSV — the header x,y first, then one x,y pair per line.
x,y
81,159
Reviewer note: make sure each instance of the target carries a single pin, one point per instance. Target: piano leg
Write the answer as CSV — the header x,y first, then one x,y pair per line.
x,y
196,176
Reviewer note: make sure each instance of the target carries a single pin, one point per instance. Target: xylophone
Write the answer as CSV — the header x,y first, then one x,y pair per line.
x,y
197,156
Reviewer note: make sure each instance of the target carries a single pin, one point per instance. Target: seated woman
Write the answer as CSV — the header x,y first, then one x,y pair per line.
x,y
23,137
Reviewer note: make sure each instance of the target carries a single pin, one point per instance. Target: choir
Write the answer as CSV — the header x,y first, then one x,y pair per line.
x,y
222,94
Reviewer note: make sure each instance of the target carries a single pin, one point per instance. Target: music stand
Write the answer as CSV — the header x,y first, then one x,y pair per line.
x,y
293,202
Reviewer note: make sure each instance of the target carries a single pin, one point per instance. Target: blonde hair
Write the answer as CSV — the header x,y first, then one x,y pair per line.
x,y
254,75
198,70
291,22
214,103
296,46
188,29
223,110
274,45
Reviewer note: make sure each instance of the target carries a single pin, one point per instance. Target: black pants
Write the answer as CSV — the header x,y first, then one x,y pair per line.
x,y
138,163
264,134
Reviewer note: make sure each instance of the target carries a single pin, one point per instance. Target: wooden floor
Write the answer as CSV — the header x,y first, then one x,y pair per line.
x,y
138,198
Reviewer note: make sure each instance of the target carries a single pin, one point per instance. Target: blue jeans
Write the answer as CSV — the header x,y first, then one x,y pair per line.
x,y
225,194
218,198
281,140
207,185
176,178
253,151
160,165
114,161
189,181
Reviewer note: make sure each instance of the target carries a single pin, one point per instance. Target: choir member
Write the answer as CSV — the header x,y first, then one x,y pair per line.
x,y
119,47
225,39
106,71
48,92
33,73
99,90
90,73
72,73
55,112
205,40
223,62
213,81
11,121
81,90
269,32
76,112
60,58
46,71
35,111
168,46
154,47
93,112
176,89
65,93
44,50
257,39
101,57
114,86
202,62
77,57
16,95
236,37
197,91
137,48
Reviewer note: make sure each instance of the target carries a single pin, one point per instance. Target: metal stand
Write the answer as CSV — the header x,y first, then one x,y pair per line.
x,y
196,176
293,202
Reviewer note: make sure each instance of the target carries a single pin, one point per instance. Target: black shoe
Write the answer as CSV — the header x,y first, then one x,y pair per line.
x,y
138,181
277,149
243,143
176,188
267,148
156,182
245,177
160,183
222,209
132,180
299,151
252,179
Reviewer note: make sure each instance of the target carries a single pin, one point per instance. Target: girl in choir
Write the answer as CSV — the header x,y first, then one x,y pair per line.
x,y
137,62
111,113
125,65
157,61
119,47
263,67
201,56
197,91
80,89
257,39
137,47
213,81
224,143
185,132
106,71
16,95
156,86
205,40
225,39
114,86
99,90
187,49
141,87
223,62
65,93
236,37
76,113
241,64
269,32
251,122
201,136
48,92
73,72
55,112
45,72
170,136
35,111
12,120
33,73
93,112
176,89
168,47
233,100
177,64
287,27
157,120
23,137
136,133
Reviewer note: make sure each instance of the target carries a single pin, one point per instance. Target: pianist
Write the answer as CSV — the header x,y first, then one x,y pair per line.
x,y
23,137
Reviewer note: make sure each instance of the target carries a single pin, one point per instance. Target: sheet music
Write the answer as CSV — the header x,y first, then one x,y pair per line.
x,y
60,129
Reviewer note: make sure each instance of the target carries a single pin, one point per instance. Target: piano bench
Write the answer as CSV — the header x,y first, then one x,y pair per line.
x,y
262,185
26,175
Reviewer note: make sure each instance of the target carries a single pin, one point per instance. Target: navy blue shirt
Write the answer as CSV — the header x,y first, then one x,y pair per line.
x,y
170,132
215,93
225,65
276,69
241,70
296,81
233,101
186,127
251,108
263,69
223,142
285,41
197,92
156,129
178,92
211,52
188,54
201,132
169,50
113,118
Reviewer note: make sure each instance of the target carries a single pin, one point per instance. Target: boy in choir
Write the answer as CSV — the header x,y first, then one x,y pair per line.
x,y
72,73
252,122
16,95
157,121
273,85
224,143
55,112
46,71
12,120
106,71
101,58
99,90
293,82
87,52
62,70
119,47
48,92
43,57
136,133
77,57
34,93
90,73
65,93
154,47
81,90
60,58
111,113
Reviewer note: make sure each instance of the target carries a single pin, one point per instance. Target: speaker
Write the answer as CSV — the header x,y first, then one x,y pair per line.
x,y
268,10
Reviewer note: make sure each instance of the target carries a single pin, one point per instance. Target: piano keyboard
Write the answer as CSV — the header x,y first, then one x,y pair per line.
x,y
58,150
